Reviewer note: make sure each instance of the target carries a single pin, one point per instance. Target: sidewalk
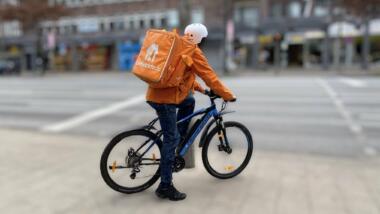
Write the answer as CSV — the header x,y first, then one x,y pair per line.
x,y
60,174
354,72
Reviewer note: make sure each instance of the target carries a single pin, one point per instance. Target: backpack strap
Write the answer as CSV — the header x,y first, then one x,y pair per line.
x,y
187,60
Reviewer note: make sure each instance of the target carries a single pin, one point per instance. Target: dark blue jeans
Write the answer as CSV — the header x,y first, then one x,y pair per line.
x,y
168,117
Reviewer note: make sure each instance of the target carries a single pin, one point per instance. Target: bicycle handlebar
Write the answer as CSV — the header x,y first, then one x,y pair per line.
x,y
214,96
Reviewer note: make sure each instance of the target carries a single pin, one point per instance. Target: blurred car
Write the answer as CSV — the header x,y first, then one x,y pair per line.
x,y
10,66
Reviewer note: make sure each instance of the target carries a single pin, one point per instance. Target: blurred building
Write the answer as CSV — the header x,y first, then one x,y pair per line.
x,y
105,34
299,33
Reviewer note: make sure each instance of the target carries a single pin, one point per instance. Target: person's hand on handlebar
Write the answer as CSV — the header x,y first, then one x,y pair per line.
x,y
212,94
232,100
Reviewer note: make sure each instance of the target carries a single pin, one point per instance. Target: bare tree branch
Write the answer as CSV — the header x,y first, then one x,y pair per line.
x,y
31,12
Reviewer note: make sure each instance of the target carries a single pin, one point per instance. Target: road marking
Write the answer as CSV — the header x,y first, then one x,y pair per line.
x,y
354,127
92,115
370,151
354,82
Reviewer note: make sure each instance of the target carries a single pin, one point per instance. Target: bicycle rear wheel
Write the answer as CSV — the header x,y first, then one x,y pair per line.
x,y
227,161
130,162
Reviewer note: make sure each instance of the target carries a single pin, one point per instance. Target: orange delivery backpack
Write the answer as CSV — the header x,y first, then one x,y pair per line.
x,y
163,58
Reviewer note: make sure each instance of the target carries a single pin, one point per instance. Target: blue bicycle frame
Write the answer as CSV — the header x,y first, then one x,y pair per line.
x,y
196,129
209,112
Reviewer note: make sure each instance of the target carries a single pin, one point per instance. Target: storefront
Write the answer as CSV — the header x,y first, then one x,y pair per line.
x,y
128,52
94,57
61,57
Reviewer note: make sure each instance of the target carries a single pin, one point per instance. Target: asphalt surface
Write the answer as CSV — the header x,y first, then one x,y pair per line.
x,y
332,116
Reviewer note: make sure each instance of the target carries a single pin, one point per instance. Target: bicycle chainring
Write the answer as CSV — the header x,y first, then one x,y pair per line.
x,y
179,164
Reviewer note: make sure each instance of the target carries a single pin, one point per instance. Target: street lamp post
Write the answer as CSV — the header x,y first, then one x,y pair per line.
x,y
185,17
366,45
227,46
325,49
1,37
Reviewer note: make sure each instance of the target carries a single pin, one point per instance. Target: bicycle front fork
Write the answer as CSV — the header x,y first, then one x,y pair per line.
x,y
222,136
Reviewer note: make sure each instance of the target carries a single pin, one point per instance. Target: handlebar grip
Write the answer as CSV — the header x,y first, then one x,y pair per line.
x,y
211,93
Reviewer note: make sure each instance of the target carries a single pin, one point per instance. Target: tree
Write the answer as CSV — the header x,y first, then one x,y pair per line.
x,y
30,13
365,11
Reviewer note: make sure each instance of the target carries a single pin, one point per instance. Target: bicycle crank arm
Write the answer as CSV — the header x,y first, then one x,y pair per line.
x,y
113,167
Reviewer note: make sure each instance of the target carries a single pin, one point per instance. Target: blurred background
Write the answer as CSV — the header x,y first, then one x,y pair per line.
x,y
305,73
83,35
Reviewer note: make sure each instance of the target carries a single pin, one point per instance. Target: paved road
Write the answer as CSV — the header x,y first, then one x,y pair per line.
x,y
334,116
317,147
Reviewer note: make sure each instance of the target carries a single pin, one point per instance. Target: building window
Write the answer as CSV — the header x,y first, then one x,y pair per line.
x,y
294,9
120,25
197,16
250,17
164,22
152,23
320,11
247,16
131,24
276,10
112,26
66,30
142,25
321,8
57,29
173,18
102,27
74,29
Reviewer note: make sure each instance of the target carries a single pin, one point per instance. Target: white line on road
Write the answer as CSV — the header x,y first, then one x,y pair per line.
x,y
92,115
354,127
354,82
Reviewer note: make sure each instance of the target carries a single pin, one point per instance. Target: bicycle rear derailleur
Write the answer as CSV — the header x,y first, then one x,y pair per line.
x,y
133,161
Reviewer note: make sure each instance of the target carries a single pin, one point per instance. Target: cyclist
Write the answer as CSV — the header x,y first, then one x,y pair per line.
x,y
166,101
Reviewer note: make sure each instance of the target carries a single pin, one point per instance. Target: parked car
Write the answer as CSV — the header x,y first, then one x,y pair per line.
x,y
10,66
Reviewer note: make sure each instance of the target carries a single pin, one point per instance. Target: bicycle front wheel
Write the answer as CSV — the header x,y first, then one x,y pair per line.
x,y
227,157
130,162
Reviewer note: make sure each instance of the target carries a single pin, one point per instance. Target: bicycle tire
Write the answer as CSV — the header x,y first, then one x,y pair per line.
x,y
210,136
104,158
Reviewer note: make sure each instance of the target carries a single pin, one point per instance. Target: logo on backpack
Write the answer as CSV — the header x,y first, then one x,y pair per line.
x,y
160,61
151,52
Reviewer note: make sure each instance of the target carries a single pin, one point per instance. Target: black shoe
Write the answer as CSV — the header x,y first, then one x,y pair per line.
x,y
170,192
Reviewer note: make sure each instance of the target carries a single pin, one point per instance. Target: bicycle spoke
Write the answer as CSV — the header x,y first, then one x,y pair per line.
x,y
131,161
226,154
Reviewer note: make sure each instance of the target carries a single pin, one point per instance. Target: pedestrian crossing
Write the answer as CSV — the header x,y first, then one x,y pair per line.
x,y
285,113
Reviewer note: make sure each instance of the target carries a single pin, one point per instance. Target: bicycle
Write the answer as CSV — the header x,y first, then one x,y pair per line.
x,y
142,161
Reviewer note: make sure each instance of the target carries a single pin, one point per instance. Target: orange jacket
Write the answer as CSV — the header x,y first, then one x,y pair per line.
x,y
201,68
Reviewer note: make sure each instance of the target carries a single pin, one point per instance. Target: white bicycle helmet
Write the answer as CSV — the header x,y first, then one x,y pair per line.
x,y
196,32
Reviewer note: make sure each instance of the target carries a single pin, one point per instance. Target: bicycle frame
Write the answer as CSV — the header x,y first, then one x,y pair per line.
x,y
208,113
